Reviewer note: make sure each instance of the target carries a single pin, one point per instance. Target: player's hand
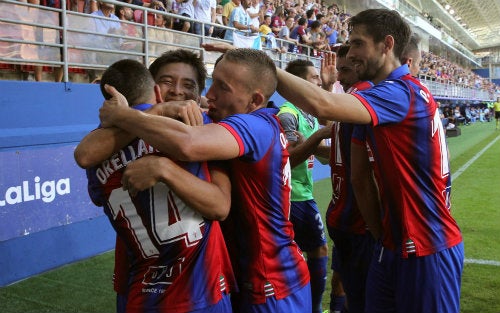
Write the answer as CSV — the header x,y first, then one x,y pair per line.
x,y
325,131
109,112
186,111
328,69
143,173
217,46
300,137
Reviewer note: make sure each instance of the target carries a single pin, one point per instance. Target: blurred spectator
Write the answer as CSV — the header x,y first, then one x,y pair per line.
x,y
317,37
278,20
459,119
266,33
104,23
109,25
311,17
285,34
218,31
255,13
228,9
299,33
330,30
342,37
48,35
186,9
241,21
204,11
159,33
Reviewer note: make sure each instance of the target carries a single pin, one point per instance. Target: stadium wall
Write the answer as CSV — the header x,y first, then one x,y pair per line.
x,y
46,217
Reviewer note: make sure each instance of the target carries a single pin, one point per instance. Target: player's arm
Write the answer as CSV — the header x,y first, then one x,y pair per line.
x,y
322,152
101,143
210,199
302,149
319,102
365,188
176,139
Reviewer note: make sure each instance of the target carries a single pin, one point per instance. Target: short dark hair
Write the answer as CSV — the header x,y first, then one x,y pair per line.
x,y
299,67
315,24
343,50
381,23
264,75
182,56
411,49
131,78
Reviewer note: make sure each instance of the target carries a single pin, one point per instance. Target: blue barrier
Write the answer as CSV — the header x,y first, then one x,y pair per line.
x,y
46,217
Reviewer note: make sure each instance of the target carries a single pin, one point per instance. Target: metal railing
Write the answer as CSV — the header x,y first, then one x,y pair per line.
x,y
39,35
447,90
44,36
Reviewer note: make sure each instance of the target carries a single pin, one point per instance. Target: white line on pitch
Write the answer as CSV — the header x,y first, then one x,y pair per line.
x,y
482,262
474,158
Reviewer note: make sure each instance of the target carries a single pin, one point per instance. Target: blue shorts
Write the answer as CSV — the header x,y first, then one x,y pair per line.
x,y
416,284
351,258
298,302
121,303
223,306
307,225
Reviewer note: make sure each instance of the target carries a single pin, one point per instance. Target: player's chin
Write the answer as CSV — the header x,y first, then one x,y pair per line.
x,y
212,113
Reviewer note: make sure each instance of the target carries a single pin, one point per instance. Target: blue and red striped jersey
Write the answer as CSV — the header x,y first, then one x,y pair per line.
x,y
411,165
268,261
343,212
178,259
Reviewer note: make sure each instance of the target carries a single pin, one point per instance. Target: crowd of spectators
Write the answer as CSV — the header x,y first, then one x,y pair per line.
x,y
466,113
439,69
300,26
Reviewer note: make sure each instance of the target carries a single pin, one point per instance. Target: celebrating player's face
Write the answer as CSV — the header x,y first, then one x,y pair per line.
x,y
177,82
230,91
365,54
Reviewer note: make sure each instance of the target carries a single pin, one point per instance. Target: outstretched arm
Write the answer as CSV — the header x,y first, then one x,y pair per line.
x,y
210,199
176,139
101,143
319,102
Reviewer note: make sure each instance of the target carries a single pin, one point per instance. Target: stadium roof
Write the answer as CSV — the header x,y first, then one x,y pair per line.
x,y
474,23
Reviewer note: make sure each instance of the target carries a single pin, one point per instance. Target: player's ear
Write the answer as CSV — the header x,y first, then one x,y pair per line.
x,y
389,43
258,99
159,98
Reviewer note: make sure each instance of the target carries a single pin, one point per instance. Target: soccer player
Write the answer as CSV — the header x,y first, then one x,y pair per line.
x,y
305,216
411,55
496,108
419,237
181,75
353,243
178,259
270,268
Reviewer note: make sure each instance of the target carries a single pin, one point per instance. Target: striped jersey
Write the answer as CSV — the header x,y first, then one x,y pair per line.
x,y
343,212
411,165
178,259
268,262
